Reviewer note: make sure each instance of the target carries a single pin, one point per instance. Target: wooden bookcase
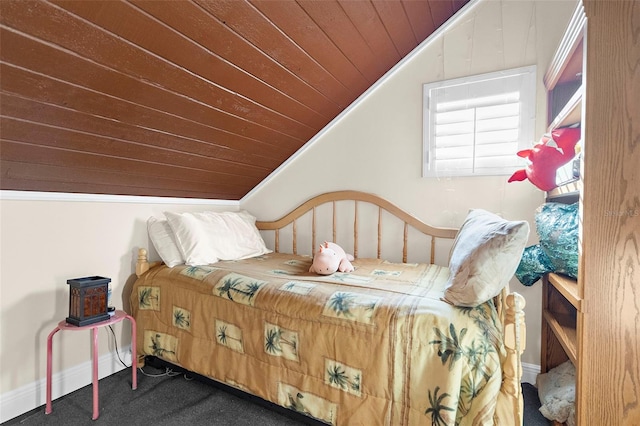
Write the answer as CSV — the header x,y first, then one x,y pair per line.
x,y
562,296
593,321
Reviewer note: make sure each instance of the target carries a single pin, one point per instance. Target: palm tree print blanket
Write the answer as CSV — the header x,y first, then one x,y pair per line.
x,y
377,346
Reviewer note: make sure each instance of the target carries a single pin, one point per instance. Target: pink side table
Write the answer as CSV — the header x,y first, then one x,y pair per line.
x,y
63,325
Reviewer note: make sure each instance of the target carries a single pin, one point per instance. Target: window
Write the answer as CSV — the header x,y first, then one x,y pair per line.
x,y
476,125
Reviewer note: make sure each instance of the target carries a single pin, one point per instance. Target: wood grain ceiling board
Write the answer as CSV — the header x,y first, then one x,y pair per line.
x,y
43,89
98,181
330,14
195,23
395,18
298,34
111,62
22,112
189,98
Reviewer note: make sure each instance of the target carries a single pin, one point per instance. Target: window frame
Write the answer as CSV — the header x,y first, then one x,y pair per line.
x,y
527,89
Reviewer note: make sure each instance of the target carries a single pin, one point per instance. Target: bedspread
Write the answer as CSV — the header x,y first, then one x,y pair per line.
x,y
375,346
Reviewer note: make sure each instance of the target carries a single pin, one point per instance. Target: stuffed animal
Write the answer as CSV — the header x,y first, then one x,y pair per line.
x,y
330,258
547,156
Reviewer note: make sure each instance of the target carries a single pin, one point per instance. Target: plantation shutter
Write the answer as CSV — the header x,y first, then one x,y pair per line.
x,y
477,127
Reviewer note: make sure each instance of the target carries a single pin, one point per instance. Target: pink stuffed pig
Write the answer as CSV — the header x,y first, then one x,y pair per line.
x,y
330,258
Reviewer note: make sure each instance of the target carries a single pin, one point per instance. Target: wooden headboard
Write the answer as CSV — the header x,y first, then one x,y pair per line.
x,y
357,200
368,213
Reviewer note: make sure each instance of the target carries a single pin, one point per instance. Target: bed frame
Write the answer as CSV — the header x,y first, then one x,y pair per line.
x,y
509,305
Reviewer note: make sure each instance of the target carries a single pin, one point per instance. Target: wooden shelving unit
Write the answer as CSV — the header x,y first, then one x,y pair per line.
x,y
562,298
571,113
562,295
592,321
568,287
562,302
560,306
564,329
567,193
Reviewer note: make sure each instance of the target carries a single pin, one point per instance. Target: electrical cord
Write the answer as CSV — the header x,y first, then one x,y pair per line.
x,y
167,372
115,340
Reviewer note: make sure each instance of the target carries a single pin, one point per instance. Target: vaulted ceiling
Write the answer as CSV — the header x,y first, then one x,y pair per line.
x,y
201,98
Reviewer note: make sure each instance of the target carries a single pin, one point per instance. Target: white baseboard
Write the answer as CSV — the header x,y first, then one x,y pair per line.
x,y
33,395
529,373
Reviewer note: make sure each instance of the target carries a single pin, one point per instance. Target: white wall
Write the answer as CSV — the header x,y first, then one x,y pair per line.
x,y
376,146
44,242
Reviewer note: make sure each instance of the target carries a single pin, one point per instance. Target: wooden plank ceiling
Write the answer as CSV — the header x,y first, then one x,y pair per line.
x,y
199,98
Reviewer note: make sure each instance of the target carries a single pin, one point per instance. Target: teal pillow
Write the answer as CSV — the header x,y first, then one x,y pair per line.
x,y
533,265
557,226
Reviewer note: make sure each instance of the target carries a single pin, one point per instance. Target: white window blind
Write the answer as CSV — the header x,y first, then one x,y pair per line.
x,y
476,125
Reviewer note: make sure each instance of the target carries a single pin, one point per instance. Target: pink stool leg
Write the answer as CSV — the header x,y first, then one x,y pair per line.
x,y
49,367
96,399
134,353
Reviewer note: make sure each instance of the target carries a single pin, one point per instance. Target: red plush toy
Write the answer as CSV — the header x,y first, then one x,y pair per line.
x,y
547,156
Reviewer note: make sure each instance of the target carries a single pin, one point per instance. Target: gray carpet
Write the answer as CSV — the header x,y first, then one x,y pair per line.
x,y
532,417
183,400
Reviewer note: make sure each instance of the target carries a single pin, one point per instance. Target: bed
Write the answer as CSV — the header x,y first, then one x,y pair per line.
x,y
386,344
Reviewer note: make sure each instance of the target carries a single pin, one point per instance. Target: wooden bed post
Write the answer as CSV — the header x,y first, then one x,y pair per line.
x,y
143,264
514,341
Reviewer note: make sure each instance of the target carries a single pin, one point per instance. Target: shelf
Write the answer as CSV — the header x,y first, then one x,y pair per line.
x,y
564,328
571,113
564,77
568,287
565,63
567,194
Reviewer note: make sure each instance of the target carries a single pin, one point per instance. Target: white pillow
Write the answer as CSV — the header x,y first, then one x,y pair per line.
x,y
485,256
207,237
164,242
